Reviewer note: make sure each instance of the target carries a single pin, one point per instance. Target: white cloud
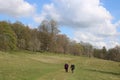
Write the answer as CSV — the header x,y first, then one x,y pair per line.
x,y
86,36
100,44
90,21
117,24
78,13
48,12
16,8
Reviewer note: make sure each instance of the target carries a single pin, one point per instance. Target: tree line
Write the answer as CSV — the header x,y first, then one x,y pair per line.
x,y
47,37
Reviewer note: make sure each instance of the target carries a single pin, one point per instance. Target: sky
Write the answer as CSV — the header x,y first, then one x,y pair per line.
x,y
94,21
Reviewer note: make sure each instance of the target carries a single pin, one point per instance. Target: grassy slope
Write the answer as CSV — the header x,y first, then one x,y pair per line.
x,y
24,66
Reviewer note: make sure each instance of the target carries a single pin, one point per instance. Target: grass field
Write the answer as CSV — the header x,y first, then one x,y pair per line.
x,y
44,66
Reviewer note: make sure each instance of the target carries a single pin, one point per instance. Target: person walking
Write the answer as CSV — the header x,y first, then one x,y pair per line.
x,y
66,67
72,67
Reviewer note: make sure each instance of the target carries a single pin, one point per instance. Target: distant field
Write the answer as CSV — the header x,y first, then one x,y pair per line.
x,y
44,66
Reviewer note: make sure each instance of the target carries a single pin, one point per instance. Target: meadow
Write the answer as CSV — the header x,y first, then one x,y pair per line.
x,y
24,65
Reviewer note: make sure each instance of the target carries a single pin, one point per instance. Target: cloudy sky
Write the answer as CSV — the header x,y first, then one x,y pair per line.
x,y
93,21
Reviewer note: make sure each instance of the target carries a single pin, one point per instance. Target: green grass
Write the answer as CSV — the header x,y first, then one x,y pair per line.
x,y
44,66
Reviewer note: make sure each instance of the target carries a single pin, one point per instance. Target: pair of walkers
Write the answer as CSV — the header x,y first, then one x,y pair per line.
x,y
72,67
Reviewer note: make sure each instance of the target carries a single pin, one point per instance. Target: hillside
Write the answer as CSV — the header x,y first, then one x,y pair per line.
x,y
44,66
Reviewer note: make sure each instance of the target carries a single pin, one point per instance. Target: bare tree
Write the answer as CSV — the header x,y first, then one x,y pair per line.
x,y
88,49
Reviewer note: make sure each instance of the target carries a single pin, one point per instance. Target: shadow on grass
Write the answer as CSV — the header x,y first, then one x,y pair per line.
x,y
104,72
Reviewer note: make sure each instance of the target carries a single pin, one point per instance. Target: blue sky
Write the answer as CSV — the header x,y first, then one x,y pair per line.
x,y
93,21
113,6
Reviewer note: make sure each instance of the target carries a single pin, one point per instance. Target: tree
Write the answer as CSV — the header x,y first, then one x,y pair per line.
x,y
34,43
101,53
48,31
75,48
18,28
97,53
62,43
104,53
88,49
114,54
53,35
7,37
44,35
23,35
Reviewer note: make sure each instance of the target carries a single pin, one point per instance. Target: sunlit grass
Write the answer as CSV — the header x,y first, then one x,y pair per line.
x,y
45,66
